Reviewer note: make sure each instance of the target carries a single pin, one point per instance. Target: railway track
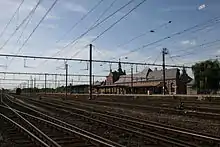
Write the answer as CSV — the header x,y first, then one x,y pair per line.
x,y
14,135
171,108
142,127
55,133
199,112
105,130
208,106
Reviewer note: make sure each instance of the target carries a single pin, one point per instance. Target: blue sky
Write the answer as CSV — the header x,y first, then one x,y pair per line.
x,y
149,16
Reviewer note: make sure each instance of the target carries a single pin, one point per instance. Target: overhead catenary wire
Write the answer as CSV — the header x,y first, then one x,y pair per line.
x,y
198,35
143,34
83,60
19,26
24,28
104,12
81,19
41,20
171,57
111,26
78,52
8,23
158,56
92,27
170,36
194,48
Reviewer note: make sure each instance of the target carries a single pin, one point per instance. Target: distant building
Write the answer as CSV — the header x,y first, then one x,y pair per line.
x,y
80,89
109,79
148,81
190,89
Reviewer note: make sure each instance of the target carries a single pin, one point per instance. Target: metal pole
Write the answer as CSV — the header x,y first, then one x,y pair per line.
x,y
66,67
56,83
90,71
31,85
29,91
1,94
132,79
71,86
45,83
34,85
164,80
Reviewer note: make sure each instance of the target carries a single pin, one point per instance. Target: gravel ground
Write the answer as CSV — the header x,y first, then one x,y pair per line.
x,y
191,123
126,139
199,125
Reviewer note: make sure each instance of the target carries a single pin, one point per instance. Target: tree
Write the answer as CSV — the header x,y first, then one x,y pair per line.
x,y
207,76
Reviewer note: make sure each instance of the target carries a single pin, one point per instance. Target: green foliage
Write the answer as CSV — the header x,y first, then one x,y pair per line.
x,y
207,76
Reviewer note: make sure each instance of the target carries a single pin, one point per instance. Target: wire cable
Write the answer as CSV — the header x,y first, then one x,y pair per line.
x,y
196,47
17,28
42,19
81,19
157,58
24,43
111,26
171,57
80,50
104,12
143,34
168,37
30,18
73,42
16,11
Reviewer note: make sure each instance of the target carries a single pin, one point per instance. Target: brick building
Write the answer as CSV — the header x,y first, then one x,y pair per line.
x,y
148,81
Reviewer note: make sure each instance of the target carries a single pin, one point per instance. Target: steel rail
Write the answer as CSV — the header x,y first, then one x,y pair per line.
x,y
25,130
148,135
86,134
164,127
150,123
51,141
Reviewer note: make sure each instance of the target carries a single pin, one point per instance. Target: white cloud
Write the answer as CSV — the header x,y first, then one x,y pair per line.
x,y
49,26
74,7
188,42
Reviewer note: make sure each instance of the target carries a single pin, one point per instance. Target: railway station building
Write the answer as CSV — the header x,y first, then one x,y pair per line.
x,y
147,82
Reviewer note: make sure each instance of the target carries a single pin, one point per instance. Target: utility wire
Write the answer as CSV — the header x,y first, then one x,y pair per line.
x,y
143,34
17,28
111,26
42,19
54,3
172,35
171,57
196,47
93,27
81,19
199,29
80,50
104,12
16,11
157,58
30,18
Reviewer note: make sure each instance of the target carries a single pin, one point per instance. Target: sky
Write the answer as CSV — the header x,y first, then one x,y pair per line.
x,y
156,19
